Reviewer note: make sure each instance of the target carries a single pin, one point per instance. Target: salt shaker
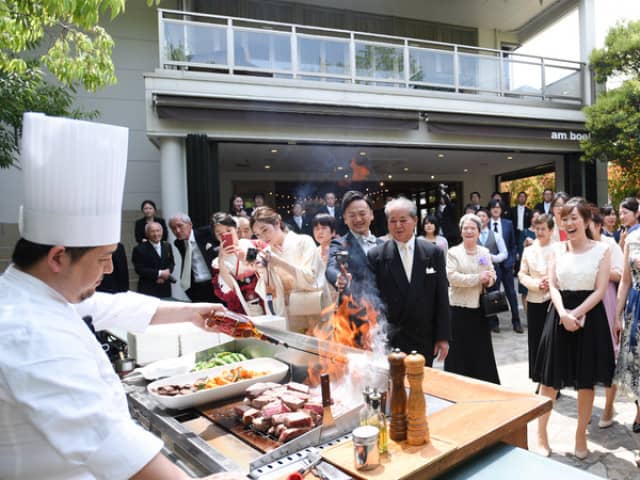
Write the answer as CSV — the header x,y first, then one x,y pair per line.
x,y
365,444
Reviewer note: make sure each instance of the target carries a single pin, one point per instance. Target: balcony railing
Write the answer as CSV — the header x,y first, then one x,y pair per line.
x,y
240,46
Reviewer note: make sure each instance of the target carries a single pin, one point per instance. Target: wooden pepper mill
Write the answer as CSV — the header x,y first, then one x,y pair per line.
x,y
398,401
417,427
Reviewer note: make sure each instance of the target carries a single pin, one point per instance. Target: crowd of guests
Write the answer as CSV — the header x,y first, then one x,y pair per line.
x,y
577,269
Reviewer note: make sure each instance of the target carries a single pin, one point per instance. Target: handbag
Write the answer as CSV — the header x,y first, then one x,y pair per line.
x,y
303,302
493,302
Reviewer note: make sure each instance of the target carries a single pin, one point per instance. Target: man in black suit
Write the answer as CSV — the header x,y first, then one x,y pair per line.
x,y
504,271
335,211
545,205
411,277
446,214
358,215
197,252
298,222
520,215
153,262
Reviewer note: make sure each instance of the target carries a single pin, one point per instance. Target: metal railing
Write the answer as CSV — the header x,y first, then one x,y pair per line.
x,y
240,46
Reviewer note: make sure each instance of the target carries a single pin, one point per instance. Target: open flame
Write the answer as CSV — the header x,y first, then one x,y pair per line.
x,y
352,322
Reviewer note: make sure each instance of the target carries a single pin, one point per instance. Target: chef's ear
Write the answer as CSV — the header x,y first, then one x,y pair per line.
x,y
57,258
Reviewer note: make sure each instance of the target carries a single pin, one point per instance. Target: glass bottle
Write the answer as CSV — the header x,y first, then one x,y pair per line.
x,y
365,411
237,326
378,419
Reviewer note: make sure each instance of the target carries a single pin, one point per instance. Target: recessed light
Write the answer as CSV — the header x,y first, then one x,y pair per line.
x,y
432,177
389,177
382,184
340,168
509,157
267,167
441,155
362,154
406,169
346,175
274,150
466,170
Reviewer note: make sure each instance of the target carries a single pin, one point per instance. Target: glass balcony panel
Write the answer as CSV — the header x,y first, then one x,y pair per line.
x,y
320,55
479,72
375,61
185,42
263,50
431,66
522,78
562,82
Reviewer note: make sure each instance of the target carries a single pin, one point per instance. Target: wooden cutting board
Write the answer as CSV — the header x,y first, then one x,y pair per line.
x,y
226,417
400,462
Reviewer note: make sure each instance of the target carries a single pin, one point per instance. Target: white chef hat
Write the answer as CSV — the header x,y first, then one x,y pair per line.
x,y
73,175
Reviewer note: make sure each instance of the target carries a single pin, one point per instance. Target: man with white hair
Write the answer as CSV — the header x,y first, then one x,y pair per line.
x,y
63,411
411,277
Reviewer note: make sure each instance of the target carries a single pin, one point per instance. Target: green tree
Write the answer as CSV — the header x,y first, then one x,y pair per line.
x,y
614,119
58,39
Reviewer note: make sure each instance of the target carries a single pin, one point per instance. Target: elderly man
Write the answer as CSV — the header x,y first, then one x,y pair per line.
x,y
411,277
64,411
153,262
244,228
197,251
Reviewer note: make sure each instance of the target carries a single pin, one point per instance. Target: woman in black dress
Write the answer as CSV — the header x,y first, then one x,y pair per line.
x,y
148,208
575,348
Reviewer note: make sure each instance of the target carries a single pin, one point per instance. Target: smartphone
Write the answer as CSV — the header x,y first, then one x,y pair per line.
x,y
227,239
252,254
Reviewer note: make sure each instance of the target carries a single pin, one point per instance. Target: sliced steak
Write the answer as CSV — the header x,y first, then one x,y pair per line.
x,y
291,401
249,415
241,409
257,389
298,387
274,408
291,433
314,407
298,420
261,424
279,418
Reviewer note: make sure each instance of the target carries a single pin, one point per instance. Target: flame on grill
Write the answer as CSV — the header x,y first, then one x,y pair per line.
x,y
352,323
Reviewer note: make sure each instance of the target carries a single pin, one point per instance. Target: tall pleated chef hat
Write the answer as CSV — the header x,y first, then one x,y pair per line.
x,y
73,175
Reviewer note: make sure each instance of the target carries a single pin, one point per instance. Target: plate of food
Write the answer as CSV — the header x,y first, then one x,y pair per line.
x,y
217,383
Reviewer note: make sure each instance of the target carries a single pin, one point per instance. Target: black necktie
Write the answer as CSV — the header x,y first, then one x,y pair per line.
x,y
495,227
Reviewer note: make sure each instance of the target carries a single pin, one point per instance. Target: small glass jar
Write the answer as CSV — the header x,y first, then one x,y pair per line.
x,y
365,447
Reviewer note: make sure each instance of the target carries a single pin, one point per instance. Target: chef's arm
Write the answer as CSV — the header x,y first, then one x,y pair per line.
x,y
178,312
160,468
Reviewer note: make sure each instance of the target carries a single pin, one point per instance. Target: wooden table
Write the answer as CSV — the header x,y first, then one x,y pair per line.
x,y
483,414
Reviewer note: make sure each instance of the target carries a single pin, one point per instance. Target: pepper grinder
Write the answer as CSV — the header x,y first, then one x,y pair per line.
x,y
417,427
398,402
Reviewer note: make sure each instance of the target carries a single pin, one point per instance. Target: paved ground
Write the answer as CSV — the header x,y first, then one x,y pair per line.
x,y
613,450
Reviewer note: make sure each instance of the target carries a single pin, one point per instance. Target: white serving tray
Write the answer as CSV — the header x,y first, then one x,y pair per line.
x,y
277,371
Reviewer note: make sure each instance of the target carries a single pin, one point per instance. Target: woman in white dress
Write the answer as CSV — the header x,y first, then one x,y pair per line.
x,y
290,279
575,347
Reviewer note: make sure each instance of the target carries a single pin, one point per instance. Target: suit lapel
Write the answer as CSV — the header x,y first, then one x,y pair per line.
x,y
394,264
419,265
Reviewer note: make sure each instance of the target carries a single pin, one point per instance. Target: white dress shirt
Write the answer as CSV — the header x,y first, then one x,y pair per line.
x,y
298,221
492,225
63,411
331,210
520,223
547,207
157,247
199,267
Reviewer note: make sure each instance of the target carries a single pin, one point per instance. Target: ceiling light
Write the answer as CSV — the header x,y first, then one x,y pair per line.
x,y
340,168
267,167
441,155
389,177
432,177
362,154
406,169
466,170
346,175
382,184
509,157
274,150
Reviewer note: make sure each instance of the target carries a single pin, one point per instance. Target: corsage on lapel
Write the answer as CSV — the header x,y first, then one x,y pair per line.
x,y
208,246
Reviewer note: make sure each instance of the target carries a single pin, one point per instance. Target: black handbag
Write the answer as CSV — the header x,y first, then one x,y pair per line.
x,y
493,302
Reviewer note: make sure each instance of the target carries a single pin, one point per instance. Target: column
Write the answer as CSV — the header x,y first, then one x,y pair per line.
x,y
587,20
173,176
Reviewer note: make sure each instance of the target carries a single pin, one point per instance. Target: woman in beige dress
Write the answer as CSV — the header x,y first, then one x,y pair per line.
x,y
290,279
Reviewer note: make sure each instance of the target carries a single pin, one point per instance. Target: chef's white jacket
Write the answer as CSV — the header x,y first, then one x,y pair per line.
x,y
63,411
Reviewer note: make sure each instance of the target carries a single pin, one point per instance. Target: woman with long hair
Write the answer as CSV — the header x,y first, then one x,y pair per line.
x,y
575,347
291,273
628,219
559,234
610,218
236,207
430,229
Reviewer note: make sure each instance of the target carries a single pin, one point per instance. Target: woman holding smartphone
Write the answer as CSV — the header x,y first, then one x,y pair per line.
x,y
234,273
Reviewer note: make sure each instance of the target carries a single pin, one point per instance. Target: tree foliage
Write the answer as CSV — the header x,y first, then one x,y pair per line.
x,y
58,39
533,186
614,119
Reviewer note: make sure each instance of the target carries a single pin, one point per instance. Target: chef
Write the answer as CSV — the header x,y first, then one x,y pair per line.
x,y
63,411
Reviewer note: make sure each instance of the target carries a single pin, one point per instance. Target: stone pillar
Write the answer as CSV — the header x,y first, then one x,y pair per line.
x,y
587,20
173,176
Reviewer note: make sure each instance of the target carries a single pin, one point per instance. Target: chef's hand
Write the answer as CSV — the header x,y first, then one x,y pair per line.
x,y
177,312
441,350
